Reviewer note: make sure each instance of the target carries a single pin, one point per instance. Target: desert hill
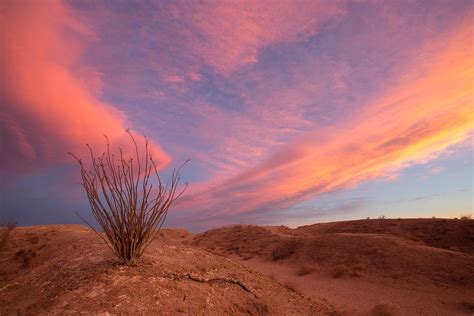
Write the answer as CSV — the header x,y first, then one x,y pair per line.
x,y
407,266
61,269
365,267
451,234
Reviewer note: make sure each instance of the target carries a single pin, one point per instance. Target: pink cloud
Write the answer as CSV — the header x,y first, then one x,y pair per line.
x,y
235,31
50,100
412,122
274,102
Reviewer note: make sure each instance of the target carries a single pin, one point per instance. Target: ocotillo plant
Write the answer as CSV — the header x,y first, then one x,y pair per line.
x,y
123,201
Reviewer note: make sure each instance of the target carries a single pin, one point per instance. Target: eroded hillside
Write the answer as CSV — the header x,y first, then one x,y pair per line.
x,y
425,266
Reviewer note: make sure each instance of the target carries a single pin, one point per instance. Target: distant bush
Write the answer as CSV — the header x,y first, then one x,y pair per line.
x,y
343,270
258,308
25,257
339,271
466,216
304,270
5,232
291,286
33,239
382,217
285,249
385,310
468,306
459,277
122,200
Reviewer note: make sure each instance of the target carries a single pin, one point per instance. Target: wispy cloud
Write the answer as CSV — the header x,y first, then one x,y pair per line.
x,y
430,109
233,32
275,102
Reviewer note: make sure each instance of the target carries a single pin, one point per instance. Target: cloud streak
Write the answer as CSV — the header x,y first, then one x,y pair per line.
x,y
429,110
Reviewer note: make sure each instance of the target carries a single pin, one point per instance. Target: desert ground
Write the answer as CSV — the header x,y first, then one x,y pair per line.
x,y
361,267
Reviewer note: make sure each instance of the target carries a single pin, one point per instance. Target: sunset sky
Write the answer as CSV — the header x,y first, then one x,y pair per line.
x,y
292,112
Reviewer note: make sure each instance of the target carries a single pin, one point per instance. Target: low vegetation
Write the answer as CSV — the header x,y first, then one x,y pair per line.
x,y
291,286
385,310
304,270
339,271
5,233
25,257
122,201
285,249
467,306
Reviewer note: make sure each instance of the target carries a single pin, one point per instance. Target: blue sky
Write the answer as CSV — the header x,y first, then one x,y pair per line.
x,y
291,112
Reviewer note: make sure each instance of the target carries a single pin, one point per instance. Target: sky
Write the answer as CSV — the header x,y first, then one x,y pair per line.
x,y
291,112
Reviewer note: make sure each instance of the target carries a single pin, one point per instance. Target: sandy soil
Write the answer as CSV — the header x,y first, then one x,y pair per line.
x,y
67,269
378,267
366,267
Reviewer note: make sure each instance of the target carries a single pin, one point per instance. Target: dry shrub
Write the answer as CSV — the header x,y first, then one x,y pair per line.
x,y
258,308
460,277
385,310
285,249
25,257
304,270
291,286
122,201
343,270
246,256
339,271
467,306
358,269
5,233
33,239
466,216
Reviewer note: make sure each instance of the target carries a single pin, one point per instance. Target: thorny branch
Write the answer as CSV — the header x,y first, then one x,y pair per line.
x,y
122,200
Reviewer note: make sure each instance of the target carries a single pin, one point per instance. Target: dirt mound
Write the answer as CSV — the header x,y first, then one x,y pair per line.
x,y
417,267
176,234
67,269
246,241
377,256
347,249
451,234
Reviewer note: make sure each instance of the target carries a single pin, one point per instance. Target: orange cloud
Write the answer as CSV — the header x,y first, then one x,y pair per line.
x,y
429,110
50,102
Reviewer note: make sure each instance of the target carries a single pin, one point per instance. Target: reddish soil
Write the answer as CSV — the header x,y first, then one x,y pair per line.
x,y
65,269
365,267
380,267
